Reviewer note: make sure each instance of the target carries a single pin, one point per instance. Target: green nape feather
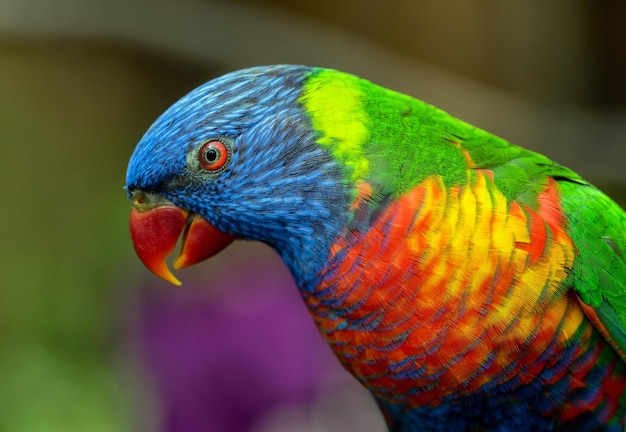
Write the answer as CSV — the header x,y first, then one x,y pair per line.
x,y
356,120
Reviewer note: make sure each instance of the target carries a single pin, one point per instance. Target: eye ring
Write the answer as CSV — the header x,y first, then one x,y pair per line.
x,y
213,155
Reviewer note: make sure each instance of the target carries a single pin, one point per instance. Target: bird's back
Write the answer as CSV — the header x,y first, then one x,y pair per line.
x,y
451,295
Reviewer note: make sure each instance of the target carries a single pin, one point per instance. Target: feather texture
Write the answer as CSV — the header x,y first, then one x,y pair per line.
x,y
468,283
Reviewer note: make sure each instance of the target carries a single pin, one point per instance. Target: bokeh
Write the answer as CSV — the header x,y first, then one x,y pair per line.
x,y
89,340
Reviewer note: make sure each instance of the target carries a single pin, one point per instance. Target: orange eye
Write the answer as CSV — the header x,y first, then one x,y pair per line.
x,y
213,155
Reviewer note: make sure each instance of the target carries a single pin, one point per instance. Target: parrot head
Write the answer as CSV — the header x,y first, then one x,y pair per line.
x,y
237,157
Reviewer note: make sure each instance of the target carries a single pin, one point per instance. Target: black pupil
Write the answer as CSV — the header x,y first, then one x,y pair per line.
x,y
211,155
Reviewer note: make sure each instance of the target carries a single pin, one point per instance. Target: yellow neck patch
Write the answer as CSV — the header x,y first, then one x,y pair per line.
x,y
334,102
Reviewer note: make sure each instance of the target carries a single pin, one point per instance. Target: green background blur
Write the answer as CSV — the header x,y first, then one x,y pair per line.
x,y
81,81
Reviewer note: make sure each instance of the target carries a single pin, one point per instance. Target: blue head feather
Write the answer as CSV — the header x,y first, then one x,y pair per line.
x,y
279,187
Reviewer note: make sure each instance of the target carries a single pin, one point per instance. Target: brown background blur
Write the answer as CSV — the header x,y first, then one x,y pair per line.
x,y
80,81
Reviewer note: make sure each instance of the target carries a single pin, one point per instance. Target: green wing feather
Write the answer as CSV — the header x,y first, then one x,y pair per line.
x,y
597,226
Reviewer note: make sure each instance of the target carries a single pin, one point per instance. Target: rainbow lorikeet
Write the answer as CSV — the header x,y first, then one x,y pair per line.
x,y
468,283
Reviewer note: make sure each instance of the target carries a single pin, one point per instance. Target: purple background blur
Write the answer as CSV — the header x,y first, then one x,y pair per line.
x,y
239,352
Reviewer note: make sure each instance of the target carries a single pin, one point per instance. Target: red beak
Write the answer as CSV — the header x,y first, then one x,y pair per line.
x,y
155,232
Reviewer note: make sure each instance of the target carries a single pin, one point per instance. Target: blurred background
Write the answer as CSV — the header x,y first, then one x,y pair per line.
x,y
89,340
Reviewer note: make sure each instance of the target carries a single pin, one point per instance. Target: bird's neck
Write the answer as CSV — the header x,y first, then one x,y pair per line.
x,y
310,248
